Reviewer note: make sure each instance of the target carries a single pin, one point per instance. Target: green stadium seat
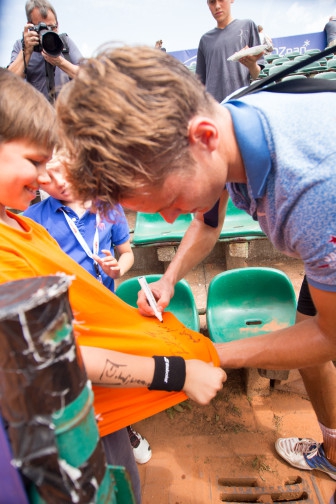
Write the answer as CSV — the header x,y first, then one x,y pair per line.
x,y
326,75
270,58
301,57
262,75
279,61
310,52
312,68
323,62
292,55
293,77
248,302
152,228
275,70
239,224
331,64
182,304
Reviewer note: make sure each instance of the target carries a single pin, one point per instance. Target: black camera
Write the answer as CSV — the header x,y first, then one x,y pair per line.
x,y
50,41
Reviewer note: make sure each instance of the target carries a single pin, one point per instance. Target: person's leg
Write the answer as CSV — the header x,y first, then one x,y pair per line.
x,y
119,452
320,383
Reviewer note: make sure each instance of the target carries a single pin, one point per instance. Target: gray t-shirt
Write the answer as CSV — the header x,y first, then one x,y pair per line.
x,y
220,76
330,29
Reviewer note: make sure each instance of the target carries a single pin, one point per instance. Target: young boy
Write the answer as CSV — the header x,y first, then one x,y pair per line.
x,y
117,344
83,235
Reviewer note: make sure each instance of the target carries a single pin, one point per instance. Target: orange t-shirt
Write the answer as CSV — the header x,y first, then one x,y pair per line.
x,y
104,321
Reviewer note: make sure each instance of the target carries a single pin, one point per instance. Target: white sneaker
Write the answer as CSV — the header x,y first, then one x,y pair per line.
x,y
141,449
306,454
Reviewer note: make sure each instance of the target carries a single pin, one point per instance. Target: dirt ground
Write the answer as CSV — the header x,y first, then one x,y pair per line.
x,y
224,452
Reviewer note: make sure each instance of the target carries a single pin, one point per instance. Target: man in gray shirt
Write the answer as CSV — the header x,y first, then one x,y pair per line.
x,y
330,30
32,65
220,76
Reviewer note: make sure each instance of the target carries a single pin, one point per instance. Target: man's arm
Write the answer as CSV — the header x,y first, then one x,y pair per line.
x,y
20,58
197,243
308,343
114,369
66,66
200,65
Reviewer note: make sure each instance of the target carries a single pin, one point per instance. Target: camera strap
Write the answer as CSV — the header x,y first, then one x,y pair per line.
x,y
24,57
50,81
50,69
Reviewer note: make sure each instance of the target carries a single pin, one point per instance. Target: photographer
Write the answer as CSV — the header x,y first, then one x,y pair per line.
x,y
46,71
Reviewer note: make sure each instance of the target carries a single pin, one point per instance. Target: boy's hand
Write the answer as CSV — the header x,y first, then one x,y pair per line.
x,y
203,381
108,264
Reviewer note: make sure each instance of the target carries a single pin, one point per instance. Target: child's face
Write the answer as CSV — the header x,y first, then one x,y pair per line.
x,y
58,187
22,172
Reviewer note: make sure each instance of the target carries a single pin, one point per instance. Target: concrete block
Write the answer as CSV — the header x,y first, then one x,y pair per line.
x,y
240,250
166,254
256,385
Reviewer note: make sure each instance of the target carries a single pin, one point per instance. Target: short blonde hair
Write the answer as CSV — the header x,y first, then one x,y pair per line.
x,y
25,112
124,120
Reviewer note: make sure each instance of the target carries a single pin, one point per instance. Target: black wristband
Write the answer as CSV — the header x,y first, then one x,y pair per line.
x,y
169,374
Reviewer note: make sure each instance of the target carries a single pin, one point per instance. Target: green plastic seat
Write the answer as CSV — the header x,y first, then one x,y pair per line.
x,y
301,57
248,302
279,61
275,70
331,64
326,75
152,228
323,62
238,224
313,67
294,77
310,52
293,55
182,304
271,57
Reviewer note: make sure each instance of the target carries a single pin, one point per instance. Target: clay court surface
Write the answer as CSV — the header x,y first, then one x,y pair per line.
x,y
224,452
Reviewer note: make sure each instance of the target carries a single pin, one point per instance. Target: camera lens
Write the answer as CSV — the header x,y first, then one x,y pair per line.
x,y
51,43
